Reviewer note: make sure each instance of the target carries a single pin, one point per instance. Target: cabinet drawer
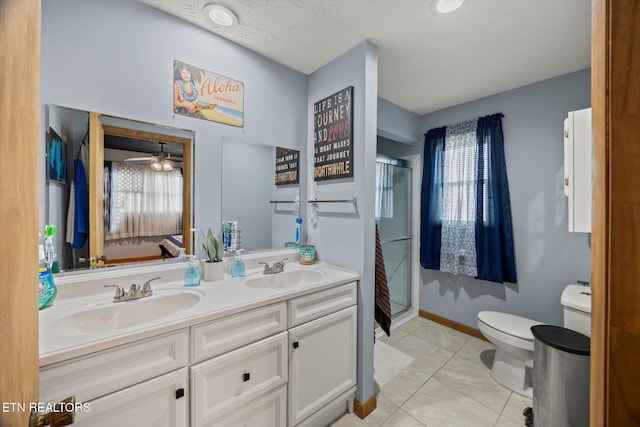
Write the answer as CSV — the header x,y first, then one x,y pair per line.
x,y
219,336
269,410
313,306
106,371
229,381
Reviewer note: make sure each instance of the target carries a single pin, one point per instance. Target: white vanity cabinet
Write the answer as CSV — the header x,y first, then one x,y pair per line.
x,y
144,383
285,361
577,169
322,354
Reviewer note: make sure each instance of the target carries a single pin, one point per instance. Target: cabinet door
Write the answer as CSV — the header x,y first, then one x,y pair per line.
x,y
577,165
322,357
160,402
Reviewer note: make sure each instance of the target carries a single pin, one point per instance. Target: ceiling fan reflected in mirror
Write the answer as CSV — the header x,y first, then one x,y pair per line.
x,y
161,161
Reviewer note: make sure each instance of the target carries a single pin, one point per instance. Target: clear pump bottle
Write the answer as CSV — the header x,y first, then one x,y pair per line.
x,y
192,274
46,287
237,265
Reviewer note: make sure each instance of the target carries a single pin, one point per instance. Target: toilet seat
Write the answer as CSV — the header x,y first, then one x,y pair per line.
x,y
508,328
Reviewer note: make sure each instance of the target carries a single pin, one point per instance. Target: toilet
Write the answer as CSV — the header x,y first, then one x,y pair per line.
x,y
576,301
511,334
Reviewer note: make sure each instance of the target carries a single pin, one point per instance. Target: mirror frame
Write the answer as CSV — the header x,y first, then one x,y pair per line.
x,y
186,177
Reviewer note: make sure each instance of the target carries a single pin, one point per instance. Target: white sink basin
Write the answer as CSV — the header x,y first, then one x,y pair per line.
x,y
111,316
286,279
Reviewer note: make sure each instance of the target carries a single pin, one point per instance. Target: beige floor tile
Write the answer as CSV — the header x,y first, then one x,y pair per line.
x,y
437,405
428,357
447,385
402,419
396,336
388,362
384,409
506,422
403,330
447,338
414,323
399,389
515,406
473,381
478,351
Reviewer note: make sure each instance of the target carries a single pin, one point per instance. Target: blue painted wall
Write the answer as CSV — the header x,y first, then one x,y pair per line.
x,y
344,233
398,124
116,57
548,257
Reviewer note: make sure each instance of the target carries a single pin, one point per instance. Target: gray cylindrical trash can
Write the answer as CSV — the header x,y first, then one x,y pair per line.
x,y
560,377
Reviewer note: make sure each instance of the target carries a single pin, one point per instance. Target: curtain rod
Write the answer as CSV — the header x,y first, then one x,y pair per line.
x,y
469,120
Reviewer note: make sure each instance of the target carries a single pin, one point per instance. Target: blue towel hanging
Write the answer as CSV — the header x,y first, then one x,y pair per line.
x,y
81,213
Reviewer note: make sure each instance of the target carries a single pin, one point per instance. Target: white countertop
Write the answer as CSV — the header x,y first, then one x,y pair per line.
x,y
218,299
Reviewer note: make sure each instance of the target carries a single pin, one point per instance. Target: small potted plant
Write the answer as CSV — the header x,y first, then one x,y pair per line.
x,y
213,266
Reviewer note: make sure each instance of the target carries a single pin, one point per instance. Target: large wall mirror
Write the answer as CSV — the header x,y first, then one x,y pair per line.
x,y
265,212
118,190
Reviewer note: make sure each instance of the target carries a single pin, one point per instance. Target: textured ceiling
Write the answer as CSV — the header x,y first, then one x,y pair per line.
x,y
427,61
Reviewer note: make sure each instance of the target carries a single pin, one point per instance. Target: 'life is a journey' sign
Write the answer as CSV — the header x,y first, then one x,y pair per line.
x,y
333,136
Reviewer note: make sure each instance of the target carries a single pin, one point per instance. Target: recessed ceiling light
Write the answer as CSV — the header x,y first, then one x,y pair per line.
x,y
220,15
445,6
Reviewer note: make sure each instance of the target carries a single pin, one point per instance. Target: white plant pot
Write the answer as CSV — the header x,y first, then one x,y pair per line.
x,y
213,271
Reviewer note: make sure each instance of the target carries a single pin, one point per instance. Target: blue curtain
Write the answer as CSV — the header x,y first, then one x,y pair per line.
x,y
494,230
431,199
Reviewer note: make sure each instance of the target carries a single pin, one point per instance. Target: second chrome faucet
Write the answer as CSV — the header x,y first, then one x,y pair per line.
x,y
277,267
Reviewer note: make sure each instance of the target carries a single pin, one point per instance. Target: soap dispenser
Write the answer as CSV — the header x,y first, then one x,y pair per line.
x,y
237,265
192,274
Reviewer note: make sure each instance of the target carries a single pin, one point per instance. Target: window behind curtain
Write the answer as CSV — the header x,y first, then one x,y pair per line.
x,y
458,204
144,202
460,173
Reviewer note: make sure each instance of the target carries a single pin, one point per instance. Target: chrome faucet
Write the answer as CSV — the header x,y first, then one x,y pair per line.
x,y
134,292
277,267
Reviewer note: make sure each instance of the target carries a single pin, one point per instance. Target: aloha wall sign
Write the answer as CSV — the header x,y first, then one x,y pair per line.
x,y
206,95
333,136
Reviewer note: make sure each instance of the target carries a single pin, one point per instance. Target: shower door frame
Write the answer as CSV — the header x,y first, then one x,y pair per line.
x,y
415,164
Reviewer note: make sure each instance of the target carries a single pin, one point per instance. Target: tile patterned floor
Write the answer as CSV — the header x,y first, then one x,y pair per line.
x,y
447,384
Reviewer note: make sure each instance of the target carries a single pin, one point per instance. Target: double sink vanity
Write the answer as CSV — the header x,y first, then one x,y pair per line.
x,y
263,350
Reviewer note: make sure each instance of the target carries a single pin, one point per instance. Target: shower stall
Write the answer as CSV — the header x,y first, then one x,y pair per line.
x,y
393,216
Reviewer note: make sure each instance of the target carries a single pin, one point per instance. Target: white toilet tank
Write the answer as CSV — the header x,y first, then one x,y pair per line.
x,y
576,301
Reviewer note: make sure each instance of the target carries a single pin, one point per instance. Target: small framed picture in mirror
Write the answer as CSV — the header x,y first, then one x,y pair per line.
x,y
287,166
56,157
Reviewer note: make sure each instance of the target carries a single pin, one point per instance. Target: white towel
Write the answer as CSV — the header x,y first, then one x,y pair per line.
x,y
70,213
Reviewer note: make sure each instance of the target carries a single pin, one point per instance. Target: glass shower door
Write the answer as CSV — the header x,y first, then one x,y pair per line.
x,y
393,216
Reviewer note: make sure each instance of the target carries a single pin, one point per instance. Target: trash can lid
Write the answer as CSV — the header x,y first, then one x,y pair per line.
x,y
562,339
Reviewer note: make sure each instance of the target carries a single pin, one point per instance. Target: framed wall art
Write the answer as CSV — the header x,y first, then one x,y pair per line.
x,y
206,95
56,157
333,136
